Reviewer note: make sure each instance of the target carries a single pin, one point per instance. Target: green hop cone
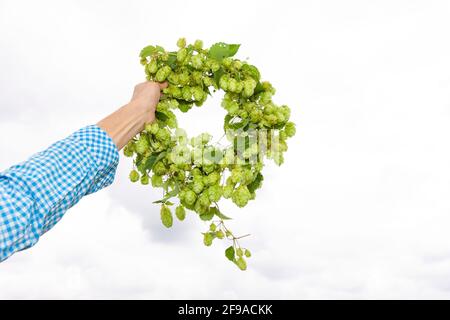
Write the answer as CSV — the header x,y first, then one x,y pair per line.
x,y
127,151
180,212
152,127
134,176
183,78
159,168
249,87
289,129
241,196
256,115
197,93
157,181
237,175
203,200
227,62
215,193
163,135
237,65
247,176
166,216
142,144
224,82
196,172
190,197
215,66
240,262
219,234
152,67
207,81
144,179
213,178
228,191
248,254
181,55
186,93
208,239
197,186
196,76
198,45
163,73
233,85
197,62
181,43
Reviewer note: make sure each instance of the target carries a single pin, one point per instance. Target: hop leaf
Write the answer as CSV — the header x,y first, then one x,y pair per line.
x,y
150,50
209,214
256,183
229,253
221,50
252,71
221,215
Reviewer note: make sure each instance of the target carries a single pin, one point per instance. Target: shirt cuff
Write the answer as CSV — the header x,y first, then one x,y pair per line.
x,y
104,151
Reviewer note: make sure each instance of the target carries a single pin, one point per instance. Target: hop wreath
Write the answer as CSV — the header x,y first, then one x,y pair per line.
x,y
196,173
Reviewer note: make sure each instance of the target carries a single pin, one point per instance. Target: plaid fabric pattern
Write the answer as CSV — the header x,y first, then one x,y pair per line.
x,y
35,194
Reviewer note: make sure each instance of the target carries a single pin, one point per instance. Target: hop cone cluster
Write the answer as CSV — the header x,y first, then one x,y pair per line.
x,y
195,172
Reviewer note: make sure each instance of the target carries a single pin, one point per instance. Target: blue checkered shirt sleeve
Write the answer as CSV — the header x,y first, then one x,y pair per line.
x,y
35,194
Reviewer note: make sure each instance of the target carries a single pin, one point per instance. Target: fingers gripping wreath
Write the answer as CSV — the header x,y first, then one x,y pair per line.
x,y
195,173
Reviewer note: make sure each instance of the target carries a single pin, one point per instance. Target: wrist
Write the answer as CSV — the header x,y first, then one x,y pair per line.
x,y
126,123
143,113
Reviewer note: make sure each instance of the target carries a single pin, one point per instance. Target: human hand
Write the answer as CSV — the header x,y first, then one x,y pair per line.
x,y
129,120
145,97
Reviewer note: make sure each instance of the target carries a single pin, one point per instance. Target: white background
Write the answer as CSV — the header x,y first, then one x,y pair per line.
x,y
361,208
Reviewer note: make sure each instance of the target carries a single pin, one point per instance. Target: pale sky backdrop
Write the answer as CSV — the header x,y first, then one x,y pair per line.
x,y
361,208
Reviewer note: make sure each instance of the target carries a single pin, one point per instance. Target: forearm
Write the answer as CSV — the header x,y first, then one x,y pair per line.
x,y
35,194
125,123
128,121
